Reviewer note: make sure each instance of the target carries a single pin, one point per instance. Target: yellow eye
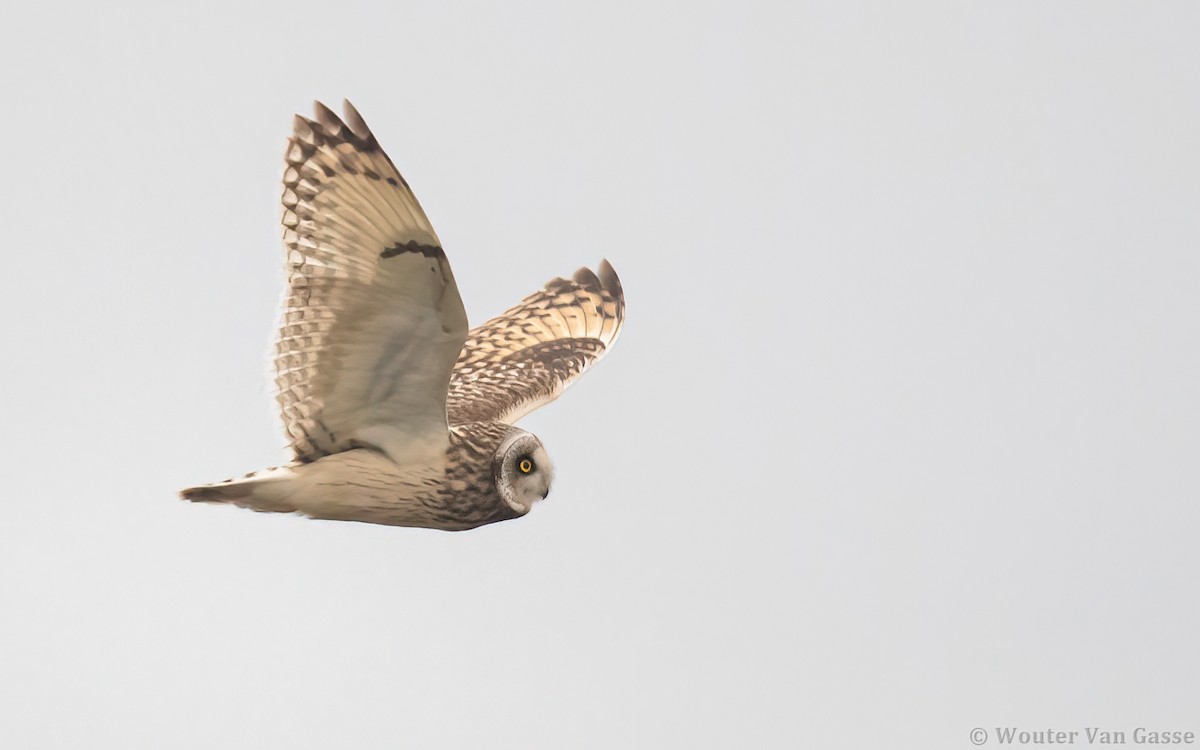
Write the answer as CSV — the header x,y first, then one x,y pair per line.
x,y
525,466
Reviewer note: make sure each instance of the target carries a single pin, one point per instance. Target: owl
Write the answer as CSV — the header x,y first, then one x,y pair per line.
x,y
396,412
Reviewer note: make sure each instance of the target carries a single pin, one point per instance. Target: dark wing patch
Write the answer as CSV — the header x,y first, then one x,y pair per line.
x,y
373,321
528,355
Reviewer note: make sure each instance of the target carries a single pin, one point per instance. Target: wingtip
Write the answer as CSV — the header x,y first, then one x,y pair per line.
x,y
609,279
304,128
328,119
355,120
587,278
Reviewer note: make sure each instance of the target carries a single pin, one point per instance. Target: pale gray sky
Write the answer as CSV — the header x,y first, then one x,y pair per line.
x,y
900,438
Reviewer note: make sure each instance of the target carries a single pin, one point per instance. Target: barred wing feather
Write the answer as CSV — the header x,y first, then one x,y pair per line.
x,y
525,357
373,320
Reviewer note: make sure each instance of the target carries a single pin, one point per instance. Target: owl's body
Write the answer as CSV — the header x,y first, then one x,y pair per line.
x,y
397,414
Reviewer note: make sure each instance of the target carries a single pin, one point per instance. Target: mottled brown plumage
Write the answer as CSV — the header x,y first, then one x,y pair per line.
x,y
526,356
396,413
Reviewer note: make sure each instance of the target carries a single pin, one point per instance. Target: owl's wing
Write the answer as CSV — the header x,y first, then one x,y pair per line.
x,y
528,355
373,320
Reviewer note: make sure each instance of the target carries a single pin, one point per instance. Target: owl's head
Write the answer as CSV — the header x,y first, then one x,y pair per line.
x,y
522,470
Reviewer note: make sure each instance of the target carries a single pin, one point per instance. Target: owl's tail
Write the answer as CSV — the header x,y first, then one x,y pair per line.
x,y
267,491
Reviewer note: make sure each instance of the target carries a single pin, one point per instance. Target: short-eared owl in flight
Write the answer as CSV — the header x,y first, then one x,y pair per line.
x,y
396,412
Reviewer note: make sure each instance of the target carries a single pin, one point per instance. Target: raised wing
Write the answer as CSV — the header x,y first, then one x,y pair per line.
x,y
525,357
373,320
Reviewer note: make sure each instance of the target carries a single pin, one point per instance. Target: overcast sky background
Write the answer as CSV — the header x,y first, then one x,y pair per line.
x,y
900,438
